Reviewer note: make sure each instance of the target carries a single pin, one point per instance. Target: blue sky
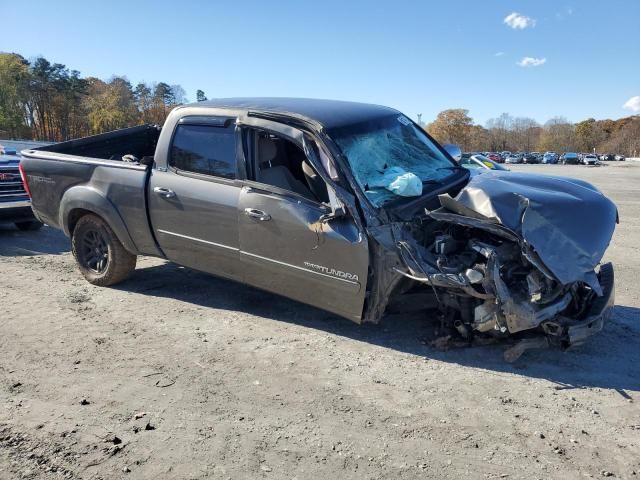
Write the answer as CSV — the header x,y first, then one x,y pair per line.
x,y
416,56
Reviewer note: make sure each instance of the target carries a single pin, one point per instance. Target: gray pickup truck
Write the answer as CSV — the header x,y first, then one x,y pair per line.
x,y
349,207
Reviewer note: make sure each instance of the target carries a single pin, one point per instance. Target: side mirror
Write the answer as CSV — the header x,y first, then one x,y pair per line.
x,y
454,151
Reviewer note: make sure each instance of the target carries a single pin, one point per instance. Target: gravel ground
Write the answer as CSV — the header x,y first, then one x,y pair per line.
x,y
175,374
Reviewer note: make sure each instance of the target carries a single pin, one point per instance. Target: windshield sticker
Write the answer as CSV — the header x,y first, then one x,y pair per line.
x,y
404,120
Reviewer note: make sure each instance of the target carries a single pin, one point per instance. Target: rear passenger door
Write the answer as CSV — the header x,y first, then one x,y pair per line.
x,y
193,203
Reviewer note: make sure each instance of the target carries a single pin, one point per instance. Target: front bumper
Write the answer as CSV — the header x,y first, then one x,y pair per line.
x,y
16,210
600,311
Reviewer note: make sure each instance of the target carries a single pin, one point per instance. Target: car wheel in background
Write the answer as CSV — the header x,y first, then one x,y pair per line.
x,y
101,257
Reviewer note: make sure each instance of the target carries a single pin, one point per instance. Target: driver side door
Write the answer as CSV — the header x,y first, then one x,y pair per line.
x,y
287,247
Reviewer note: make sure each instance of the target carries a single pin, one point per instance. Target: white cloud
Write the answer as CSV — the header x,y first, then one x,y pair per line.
x,y
531,62
519,22
499,54
633,104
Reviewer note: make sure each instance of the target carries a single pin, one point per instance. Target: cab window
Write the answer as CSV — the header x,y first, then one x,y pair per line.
x,y
204,149
283,164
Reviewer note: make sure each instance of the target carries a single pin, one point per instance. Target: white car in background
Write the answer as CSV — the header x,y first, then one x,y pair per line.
x,y
590,159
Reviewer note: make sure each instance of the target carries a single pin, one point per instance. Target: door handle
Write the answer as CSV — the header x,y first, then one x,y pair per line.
x,y
259,214
164,192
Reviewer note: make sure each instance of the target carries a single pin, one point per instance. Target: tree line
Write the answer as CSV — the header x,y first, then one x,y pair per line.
x,y
507,133
48,101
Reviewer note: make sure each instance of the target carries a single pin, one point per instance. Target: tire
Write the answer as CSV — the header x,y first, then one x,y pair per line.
x,y
101,258
29,225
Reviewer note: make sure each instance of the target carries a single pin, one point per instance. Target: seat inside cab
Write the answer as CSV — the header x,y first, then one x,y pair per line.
x,y
281,163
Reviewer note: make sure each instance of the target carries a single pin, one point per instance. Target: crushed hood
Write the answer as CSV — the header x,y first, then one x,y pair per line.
x,y
568,223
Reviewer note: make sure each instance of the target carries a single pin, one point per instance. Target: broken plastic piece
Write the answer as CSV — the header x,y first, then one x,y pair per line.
x,y
515,352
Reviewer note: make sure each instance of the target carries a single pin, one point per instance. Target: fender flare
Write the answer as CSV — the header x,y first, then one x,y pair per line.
x,y
87,198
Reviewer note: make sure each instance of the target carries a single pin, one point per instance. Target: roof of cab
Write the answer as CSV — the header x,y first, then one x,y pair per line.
x,y
329,113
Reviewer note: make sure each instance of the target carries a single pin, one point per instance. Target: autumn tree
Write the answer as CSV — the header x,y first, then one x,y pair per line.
x,y
112,105
624,137
14,75
179,95
478,139
525,134
142,96
452,126
558,135
499,129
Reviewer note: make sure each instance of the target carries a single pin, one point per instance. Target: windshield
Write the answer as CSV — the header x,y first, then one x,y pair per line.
x,y
390,158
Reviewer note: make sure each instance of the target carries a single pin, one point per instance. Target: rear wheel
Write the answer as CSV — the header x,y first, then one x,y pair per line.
x,y
101,257
29,225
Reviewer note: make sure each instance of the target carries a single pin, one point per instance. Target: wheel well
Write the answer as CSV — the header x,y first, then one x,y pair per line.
x,y
75,215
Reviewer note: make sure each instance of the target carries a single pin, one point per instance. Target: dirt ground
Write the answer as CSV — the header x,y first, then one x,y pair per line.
x,y
178,375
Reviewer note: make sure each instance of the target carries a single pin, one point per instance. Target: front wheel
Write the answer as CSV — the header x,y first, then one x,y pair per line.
x,y
101,257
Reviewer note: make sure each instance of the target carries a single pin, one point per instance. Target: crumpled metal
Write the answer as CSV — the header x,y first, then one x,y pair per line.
x,y
568,223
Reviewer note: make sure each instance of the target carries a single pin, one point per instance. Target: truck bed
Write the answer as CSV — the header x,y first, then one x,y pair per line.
x,y
138,141
88,174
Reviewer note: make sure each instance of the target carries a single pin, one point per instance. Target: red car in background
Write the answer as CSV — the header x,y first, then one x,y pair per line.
x,y
495,157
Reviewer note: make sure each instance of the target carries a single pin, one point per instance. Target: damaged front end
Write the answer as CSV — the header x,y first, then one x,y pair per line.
x,y
514,255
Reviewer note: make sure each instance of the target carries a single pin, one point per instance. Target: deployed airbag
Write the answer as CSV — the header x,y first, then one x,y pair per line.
x,y
398,181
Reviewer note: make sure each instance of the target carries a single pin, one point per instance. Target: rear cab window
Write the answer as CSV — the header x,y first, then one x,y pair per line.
x,y
205,149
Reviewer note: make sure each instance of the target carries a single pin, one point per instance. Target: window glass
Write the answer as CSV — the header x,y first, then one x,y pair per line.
x,y
388,153
204,149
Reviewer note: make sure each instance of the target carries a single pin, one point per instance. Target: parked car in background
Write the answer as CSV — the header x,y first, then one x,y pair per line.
x,y
569,158
619,158
590,159
514,158
530,158
495,157
607,157
15,204
480,163
550,158
504,155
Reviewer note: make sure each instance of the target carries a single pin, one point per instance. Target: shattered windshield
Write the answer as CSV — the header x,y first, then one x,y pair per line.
x,y
390,158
